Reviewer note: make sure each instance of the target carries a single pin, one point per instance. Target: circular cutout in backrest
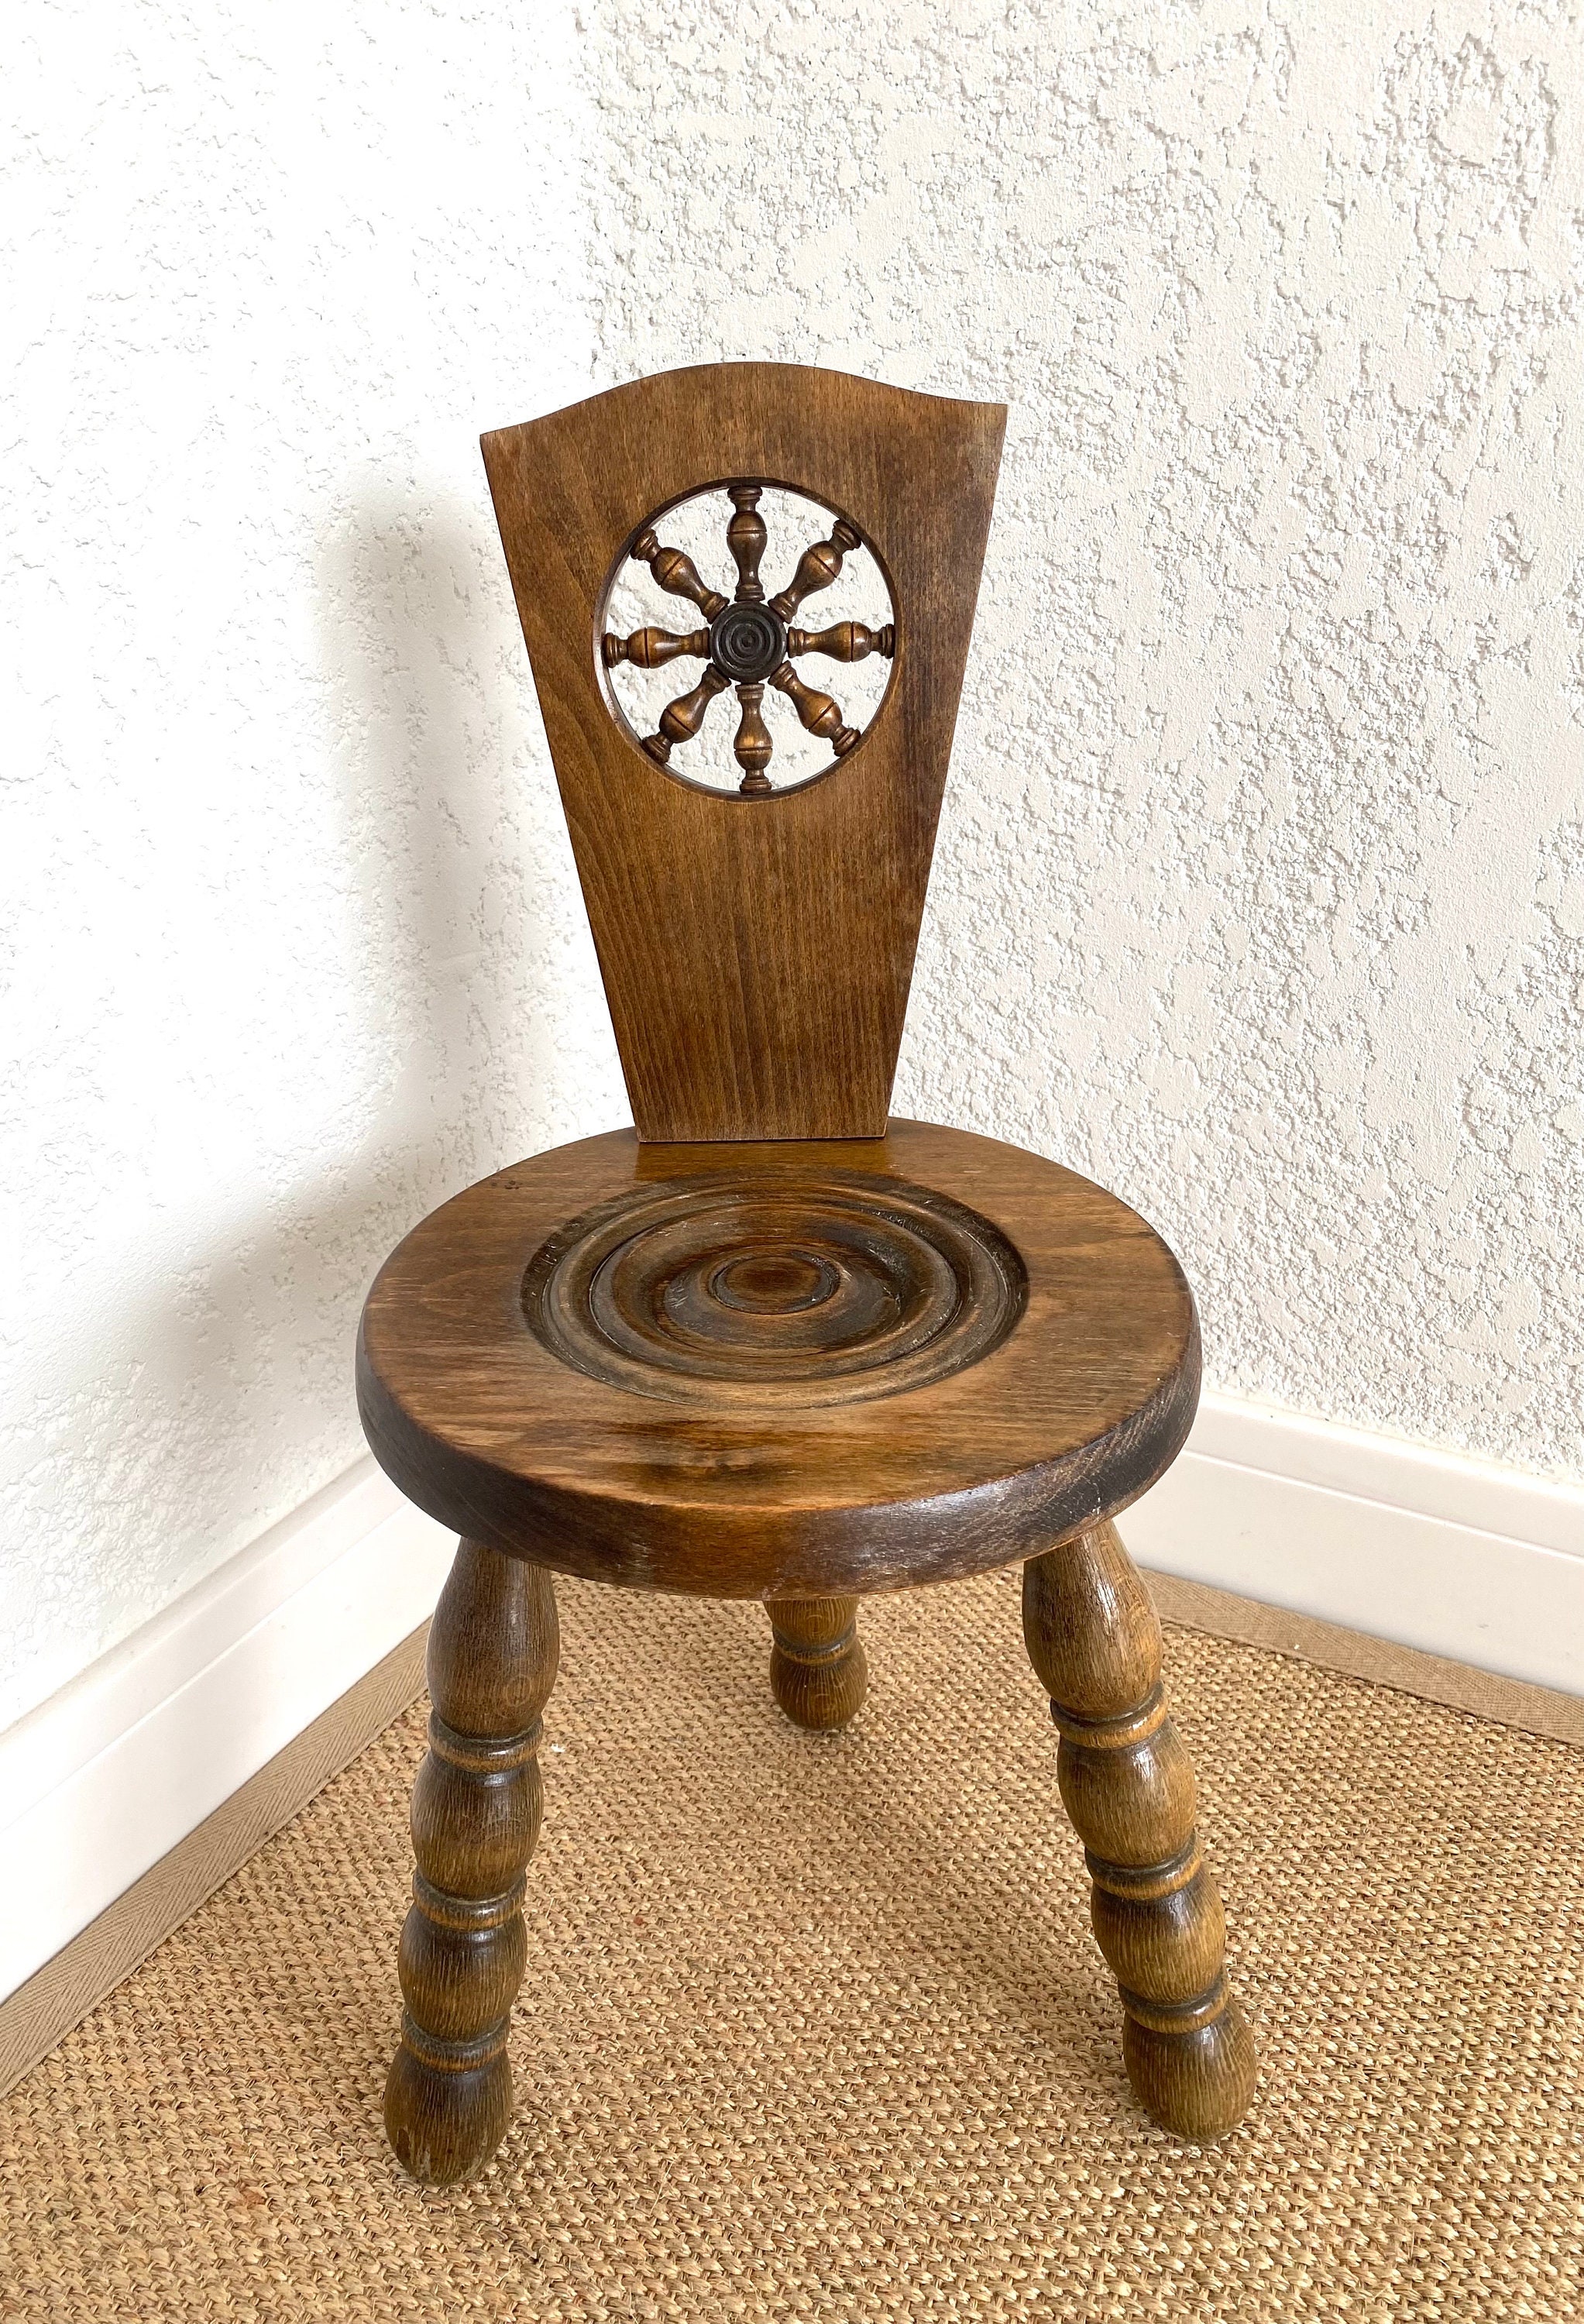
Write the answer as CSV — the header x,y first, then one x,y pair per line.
x,y
708,604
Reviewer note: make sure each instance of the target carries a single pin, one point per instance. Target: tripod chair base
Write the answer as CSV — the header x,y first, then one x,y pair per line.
x,y
618,1357
1124,1778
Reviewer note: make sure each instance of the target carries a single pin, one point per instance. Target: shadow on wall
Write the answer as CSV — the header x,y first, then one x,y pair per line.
x,y
448,1045
401,1043
419,734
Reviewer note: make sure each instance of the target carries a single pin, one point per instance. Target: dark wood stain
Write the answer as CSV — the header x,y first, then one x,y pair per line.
x,y
756,951
1127,1785
1073,1414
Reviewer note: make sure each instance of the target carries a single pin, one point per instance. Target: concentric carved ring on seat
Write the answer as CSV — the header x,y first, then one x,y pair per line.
x,y
704,1290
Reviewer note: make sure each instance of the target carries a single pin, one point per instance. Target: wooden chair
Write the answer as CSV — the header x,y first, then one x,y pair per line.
x,y
767,1344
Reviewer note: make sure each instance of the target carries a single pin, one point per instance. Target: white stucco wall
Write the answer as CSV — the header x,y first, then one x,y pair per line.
x,y
1261,884
294,944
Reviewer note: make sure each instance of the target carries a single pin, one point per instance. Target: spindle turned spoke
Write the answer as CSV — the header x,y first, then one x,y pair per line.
x,y
675,571
845,641
817,567
652,649
681,720
819,713
752,744
746,536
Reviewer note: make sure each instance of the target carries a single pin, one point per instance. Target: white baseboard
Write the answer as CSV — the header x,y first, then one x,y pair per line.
x,y
1457,1557
103,1779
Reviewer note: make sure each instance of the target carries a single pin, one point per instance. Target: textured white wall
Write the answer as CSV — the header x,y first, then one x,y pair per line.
x,y
1261,886
294,949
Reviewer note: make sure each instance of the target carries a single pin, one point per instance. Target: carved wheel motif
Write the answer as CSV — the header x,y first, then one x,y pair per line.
x,y
825,1290
751,641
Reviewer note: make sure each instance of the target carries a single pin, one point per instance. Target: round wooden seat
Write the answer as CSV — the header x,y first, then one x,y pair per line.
x,y
779,1369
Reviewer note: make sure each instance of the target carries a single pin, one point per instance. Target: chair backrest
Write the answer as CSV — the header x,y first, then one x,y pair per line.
x,y
757,946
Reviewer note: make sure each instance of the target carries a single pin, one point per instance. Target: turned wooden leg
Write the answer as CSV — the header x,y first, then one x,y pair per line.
x,y
817,1667
1128,1784
476,1817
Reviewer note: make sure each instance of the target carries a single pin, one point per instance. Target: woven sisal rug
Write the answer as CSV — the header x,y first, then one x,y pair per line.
x,y
814,2028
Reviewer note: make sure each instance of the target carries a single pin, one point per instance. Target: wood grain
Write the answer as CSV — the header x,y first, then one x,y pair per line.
x,y
1127,1785
756,950
817,1668
1071,1414
733,1290
476,1807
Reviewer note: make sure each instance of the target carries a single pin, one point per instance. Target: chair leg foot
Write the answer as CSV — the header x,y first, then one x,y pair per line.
x,y
1198,2083
445,2116
476,1807
1127,1785
817,1667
